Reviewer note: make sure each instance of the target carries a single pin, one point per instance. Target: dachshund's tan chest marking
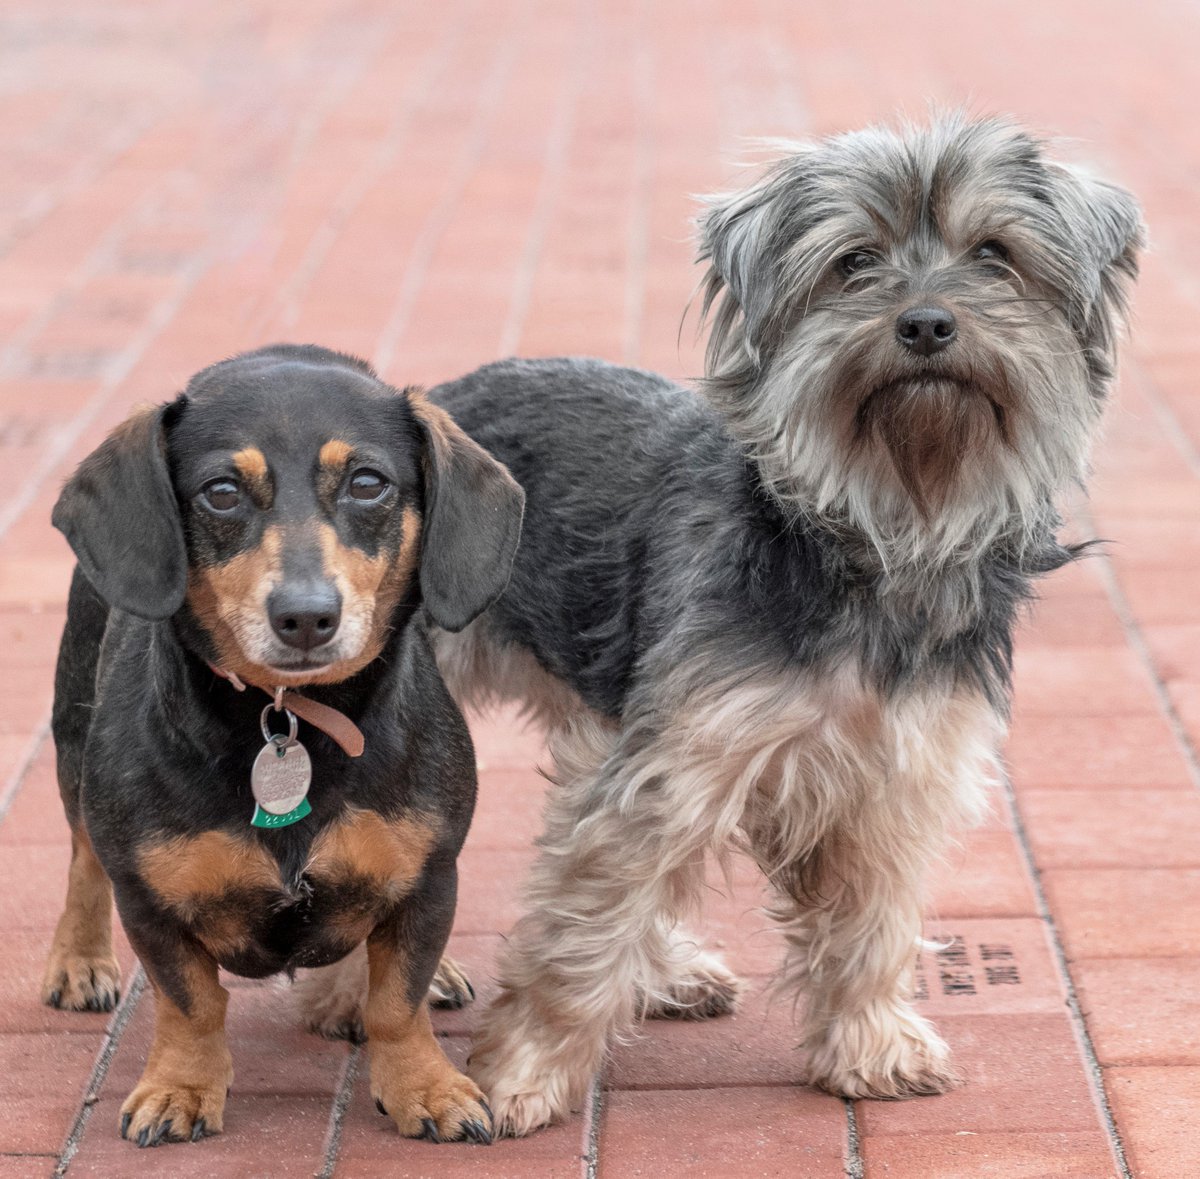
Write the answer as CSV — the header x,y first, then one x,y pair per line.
x,y
228,890
386,854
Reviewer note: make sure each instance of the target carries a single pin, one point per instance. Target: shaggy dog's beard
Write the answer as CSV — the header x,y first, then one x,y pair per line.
x,y
926,458
930,428
928,464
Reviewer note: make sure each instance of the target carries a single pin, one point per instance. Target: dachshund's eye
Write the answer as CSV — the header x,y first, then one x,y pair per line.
x,y
992,251
855,262
366,486
221,495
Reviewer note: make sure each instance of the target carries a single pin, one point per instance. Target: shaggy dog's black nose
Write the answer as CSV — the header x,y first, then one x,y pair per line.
x,y
305,616
926,330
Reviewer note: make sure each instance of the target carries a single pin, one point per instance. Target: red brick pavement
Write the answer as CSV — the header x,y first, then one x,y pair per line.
x,y
436,185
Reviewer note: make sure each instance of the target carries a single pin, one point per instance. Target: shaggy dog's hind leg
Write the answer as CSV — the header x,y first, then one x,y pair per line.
x,y
697,985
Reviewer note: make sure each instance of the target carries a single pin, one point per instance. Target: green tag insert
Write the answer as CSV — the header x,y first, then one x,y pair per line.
x,y
266,819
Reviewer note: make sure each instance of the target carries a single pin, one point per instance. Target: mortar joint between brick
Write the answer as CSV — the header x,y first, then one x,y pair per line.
x,y
115,375
104,1059
855,1168
337,1111
593,1115
1135,638
12,788
434,227
1167,418
554,165
1083,1036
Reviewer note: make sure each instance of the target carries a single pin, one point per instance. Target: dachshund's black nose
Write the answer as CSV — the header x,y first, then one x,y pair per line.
x,y
305,616
926,330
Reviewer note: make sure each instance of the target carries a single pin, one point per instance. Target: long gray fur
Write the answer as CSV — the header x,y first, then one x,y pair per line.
x,y
762,523
779,614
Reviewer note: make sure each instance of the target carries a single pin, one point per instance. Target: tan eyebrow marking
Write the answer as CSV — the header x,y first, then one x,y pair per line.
x,y
335,453
251,464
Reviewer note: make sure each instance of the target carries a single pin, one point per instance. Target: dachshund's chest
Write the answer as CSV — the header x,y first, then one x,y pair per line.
x,y
228,891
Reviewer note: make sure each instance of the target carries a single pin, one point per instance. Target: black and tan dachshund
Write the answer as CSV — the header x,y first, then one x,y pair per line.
x,y
255,561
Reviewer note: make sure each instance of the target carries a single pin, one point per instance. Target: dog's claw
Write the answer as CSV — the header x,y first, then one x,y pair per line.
x,y
431,1130
102,1000
450,989
199,1129
381,1107
125,1120
477,1132
143,1138
163,1131
96,993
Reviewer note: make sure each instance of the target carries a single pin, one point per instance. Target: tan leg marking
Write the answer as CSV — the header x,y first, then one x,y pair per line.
x,y
332,998
390,855
411,1079
82,972
181,1094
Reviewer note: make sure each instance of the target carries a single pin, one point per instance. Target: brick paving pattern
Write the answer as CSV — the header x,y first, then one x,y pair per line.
x,y
432,186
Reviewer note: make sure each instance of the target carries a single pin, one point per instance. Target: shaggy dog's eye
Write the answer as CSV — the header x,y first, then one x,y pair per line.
x,y
991,251
221,495
366,486
855,262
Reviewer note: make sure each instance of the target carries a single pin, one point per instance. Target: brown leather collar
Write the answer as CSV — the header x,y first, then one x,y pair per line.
x,y
332,723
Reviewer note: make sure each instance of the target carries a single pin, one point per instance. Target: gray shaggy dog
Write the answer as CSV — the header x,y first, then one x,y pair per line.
x,y
778,617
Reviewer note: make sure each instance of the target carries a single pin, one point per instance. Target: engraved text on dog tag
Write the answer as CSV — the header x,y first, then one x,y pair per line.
x,y
280,778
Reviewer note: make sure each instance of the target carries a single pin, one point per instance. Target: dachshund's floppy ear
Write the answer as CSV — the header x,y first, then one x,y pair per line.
x,y
120,515
473,510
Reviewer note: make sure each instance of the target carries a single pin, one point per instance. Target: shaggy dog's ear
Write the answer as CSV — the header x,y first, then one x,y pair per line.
x,y
120,515
740,238
473,511
1106,223
731,242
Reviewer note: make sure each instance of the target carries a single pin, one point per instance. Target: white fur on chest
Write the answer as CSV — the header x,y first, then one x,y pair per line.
x,y
807,757
791,759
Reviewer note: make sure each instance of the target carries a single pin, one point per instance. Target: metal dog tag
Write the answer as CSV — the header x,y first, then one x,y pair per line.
x,y
280,777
